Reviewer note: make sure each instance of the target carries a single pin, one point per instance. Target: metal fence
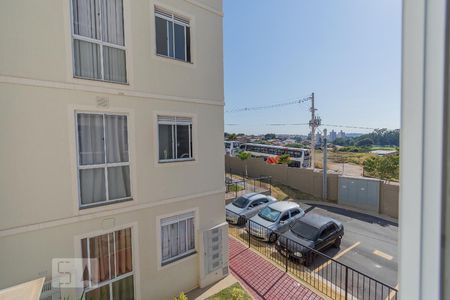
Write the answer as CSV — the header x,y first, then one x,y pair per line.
x,y
236,186
334,279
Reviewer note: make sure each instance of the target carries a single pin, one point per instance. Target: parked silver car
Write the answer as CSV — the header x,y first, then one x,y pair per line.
x,y
246,206
273,219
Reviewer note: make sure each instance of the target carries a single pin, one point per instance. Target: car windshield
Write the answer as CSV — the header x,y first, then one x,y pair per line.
x,y
269,214
227,145
305,231
241,202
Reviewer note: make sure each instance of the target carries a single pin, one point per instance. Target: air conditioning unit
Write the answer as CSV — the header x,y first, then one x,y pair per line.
x,y
214,258
49,292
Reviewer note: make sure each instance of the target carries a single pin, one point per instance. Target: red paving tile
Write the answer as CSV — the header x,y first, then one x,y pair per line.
x,y
263,279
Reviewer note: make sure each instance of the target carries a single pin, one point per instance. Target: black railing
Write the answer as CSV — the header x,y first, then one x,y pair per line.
x,y
327,275
237,186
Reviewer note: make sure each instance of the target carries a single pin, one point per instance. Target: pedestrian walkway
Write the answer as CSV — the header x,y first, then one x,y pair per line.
x,y
263,279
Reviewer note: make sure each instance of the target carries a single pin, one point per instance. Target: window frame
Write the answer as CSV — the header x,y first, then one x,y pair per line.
x,y
110,282
179,217
175,138
174,21
105,165
101,44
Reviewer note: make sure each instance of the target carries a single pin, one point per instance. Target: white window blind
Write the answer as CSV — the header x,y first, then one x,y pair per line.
x,y
99,40
177,237
103,159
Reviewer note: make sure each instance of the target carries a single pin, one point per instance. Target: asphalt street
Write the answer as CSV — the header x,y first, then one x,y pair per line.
x,y
369,244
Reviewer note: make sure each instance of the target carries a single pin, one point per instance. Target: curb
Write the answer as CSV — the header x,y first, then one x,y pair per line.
x,y
324,203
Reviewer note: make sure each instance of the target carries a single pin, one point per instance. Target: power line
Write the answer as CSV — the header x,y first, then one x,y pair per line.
x,y
297,101
306,124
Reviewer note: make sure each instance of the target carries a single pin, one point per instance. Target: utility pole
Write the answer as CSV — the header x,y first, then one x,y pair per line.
x,y
314,123
325,178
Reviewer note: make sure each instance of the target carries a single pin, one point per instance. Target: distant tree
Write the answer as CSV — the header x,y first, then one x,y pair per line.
x,y
284,159
244,156
383,167
294,145
269,136
388,167
231,137
366,142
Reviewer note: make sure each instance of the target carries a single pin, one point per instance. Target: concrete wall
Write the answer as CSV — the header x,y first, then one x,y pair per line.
x,y
309,181
305,180
389,199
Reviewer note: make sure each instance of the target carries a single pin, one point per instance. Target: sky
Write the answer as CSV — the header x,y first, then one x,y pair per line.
x,y
348,52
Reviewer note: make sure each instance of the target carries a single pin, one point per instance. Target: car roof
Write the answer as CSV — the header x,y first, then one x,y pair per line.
x,y
316,220
254,196
284,205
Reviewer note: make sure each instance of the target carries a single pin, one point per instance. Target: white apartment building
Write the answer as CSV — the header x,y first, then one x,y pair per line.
x,y
111,124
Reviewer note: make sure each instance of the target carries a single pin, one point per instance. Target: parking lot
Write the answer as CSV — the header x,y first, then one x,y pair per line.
x,y
369,244
365,263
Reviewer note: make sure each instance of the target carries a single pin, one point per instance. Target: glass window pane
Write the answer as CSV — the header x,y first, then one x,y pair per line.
x,y
84,254
190,234
165,238
87,62
100,293
123,289
116,138
165,142
92,186
114,64
173,240
112,22
124,263
188,44
99,249
90,139
182,236
170,40
161,35
183,145
85,21
119,182
180,46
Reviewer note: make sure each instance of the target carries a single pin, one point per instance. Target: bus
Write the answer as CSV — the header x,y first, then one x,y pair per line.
x,y
232,148
300,157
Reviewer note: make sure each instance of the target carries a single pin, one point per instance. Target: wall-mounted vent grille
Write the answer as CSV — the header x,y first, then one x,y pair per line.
x,y
49,292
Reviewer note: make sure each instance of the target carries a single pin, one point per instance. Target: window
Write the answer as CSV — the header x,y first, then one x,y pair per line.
x,y
328,230
112,277
175,138
177,237
173,37
103,160
98,40
285,217
294,212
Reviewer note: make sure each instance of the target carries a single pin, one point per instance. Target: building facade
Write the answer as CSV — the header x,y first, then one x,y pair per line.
x,y
111,123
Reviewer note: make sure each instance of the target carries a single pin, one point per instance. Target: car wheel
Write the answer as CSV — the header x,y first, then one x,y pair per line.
x,y
337,243
273,237
241,221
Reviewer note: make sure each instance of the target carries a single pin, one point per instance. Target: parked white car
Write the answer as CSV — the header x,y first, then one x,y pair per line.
x,y
273,219
246,206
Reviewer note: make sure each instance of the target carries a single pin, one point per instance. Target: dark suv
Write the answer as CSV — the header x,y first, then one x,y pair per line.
x,y
310,232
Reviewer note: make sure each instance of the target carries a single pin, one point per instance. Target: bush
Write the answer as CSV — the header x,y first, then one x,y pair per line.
x,y
383,167
182,296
